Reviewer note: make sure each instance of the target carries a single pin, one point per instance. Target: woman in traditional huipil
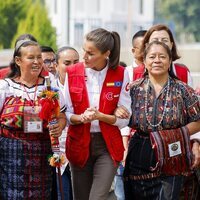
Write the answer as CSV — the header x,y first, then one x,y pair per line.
x,y
24,137
159,102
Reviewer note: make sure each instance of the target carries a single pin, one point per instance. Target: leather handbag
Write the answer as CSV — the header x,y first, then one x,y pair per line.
x,y
173,151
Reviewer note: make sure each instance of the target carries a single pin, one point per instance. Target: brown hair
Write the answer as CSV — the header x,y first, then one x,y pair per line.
x,y
159,27
104,41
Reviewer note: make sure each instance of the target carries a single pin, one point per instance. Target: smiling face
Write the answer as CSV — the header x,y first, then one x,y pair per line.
x,y
157,61
161,36
93,57
30,61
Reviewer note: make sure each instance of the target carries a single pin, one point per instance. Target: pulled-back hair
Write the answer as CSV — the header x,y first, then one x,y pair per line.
x,y
26,36
14,68
60,50
104,41
169,53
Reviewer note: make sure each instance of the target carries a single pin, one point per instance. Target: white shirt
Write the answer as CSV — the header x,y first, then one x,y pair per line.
x,y
130,69
62,138
94,83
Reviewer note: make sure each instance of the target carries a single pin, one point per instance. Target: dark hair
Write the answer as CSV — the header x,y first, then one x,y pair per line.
x,y
159,27
123,64
148,47
14,68
26,36
60,50
104,41
46,49
138,34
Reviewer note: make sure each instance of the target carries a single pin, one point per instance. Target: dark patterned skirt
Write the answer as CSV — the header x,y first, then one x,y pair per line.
x,y
25,173
140,182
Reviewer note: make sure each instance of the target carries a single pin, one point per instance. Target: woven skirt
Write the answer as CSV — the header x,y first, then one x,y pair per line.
x,y
24,170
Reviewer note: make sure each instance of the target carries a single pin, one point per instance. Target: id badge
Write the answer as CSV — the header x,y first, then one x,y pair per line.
x,y
32,121
174,149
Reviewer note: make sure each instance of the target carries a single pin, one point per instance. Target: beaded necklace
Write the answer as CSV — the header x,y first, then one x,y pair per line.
x,y
165,105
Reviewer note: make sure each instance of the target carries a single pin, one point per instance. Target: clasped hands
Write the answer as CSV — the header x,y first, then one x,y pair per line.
x,y
89,115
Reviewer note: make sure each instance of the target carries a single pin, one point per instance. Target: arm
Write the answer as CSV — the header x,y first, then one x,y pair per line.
x,y
3,89
124,101
193,127
125,140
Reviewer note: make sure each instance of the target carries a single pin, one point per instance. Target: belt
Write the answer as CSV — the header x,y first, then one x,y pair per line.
x,y
24,136
143,176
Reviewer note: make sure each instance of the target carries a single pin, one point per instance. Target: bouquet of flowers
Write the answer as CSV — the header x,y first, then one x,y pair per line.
x,y
50,105
50,111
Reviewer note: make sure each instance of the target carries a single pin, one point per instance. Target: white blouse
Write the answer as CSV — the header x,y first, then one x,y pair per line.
x,y
9,87
94,83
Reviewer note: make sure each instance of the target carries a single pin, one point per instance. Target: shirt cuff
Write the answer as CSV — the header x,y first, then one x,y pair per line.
x,y
121,123
196,137
125,131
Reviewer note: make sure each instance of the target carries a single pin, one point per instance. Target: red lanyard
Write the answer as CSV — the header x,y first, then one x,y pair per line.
x,y
32,104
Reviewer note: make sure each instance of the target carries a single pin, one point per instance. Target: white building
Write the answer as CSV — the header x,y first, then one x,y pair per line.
x,y
74,18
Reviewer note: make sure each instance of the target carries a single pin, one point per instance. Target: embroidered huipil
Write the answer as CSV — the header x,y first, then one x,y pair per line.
x,y
24,169
182,106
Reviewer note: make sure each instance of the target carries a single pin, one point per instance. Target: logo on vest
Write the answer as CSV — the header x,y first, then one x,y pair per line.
x,y
127,88
109,96
114,84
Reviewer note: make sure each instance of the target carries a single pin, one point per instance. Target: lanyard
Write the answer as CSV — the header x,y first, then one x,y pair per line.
x,y
32,103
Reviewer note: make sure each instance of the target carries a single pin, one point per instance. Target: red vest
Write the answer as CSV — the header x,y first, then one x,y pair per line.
x,y
78,137
181,72
4,72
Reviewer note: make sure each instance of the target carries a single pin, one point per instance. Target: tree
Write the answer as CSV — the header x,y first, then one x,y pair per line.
x,y
184,13
37,24
11,11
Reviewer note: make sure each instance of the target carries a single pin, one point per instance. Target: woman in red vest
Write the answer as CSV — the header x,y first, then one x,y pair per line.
x,y
93,90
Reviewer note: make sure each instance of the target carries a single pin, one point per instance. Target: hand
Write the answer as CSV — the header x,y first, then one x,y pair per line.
x,y
88,116
122,112
124,157
196,153
55,129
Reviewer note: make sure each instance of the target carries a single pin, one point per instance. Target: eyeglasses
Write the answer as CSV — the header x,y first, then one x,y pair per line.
x,y
48,61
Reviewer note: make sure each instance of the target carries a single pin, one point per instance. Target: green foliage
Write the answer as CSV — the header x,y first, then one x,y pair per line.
x,y
11,11
18,17
38,24
184,13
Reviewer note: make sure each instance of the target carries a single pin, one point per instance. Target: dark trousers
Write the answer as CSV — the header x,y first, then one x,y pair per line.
x,y
93,181
66,185
54,185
